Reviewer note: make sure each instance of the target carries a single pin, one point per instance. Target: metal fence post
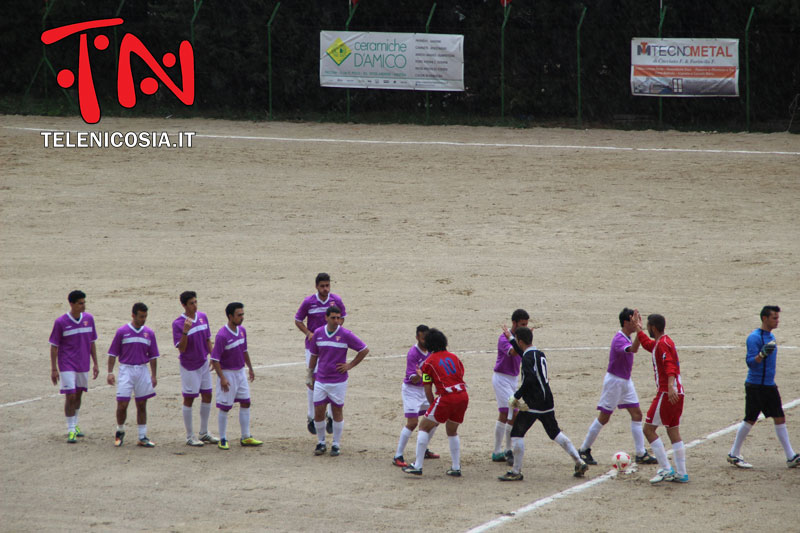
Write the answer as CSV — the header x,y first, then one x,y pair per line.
x,y
427,93
747,68
507,12
197,5
116,44
45,61
269,55
660,98
578,32
352,9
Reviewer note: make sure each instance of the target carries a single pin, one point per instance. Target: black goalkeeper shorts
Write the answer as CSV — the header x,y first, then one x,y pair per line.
x,y
762,399
525,420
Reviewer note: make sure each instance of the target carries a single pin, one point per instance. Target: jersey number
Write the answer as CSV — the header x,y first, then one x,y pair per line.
x,y
448,366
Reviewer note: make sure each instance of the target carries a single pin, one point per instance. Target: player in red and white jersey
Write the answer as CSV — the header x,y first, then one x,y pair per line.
x,y
667,406
443,370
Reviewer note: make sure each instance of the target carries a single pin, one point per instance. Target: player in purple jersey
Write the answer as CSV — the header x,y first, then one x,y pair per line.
x,y
71,345
504,381
329,346
415,403
191,334
135,346
229,357
619,393
309,317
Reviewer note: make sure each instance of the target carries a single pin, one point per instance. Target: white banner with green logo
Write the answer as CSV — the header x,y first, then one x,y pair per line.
x,y
411,61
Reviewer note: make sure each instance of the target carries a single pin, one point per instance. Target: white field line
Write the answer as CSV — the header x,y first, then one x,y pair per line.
x,y
395,356
600,479
464,144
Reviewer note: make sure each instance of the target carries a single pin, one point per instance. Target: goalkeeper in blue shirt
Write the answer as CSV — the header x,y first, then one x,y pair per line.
x,y
761,392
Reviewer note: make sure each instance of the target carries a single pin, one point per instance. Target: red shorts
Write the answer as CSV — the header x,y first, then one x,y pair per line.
x,y
664,413
449,407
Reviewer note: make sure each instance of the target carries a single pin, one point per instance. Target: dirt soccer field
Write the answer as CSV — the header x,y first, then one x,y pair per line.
x,y
454,227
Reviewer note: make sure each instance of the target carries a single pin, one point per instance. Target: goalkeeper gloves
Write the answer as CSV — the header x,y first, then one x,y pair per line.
x,y
768,349
517,403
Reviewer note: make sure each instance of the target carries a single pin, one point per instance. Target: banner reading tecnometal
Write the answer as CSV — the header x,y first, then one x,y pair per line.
x,y
412,61
684,67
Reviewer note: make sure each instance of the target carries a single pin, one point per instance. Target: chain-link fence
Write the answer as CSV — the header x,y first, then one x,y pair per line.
x,y
237,77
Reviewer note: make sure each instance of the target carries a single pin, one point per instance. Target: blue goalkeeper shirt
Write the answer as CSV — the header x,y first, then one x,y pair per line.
x,y
762,373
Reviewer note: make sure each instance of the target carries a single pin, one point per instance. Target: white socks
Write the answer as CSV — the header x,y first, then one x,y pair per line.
x,y
679,453
508,435
401,444
338,427
455,451
187,421
223,424
741,434
423,437
71,423
638,437
661,453
310,395
77,415
205,412
244,421
142,431
518,445
565,443
499,433
320,427
591,435
780,431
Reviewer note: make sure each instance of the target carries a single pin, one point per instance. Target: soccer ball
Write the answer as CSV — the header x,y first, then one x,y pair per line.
x,y
621,461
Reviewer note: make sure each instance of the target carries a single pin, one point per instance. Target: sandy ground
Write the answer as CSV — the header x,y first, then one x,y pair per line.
x,y
571,225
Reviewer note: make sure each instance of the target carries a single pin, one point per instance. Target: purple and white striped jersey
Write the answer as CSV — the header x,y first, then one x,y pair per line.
x,y
74,340
132,346
229,348
620,361
508,361
314,310
196,345
414,360
332,350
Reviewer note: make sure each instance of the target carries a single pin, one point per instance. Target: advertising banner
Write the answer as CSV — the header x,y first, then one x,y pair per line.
x,y
684,67
411,61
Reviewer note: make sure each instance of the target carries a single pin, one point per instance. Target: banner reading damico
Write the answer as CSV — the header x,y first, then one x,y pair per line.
x,y
411,61
684,67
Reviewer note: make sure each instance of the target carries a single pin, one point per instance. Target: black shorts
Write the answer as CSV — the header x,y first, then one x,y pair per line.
x,y
525,420
762,399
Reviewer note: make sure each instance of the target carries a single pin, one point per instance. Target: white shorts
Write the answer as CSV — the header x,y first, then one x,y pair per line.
x,y
134,379
71,382
238,389
332,393
414,401
618,393
504,387
196,382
